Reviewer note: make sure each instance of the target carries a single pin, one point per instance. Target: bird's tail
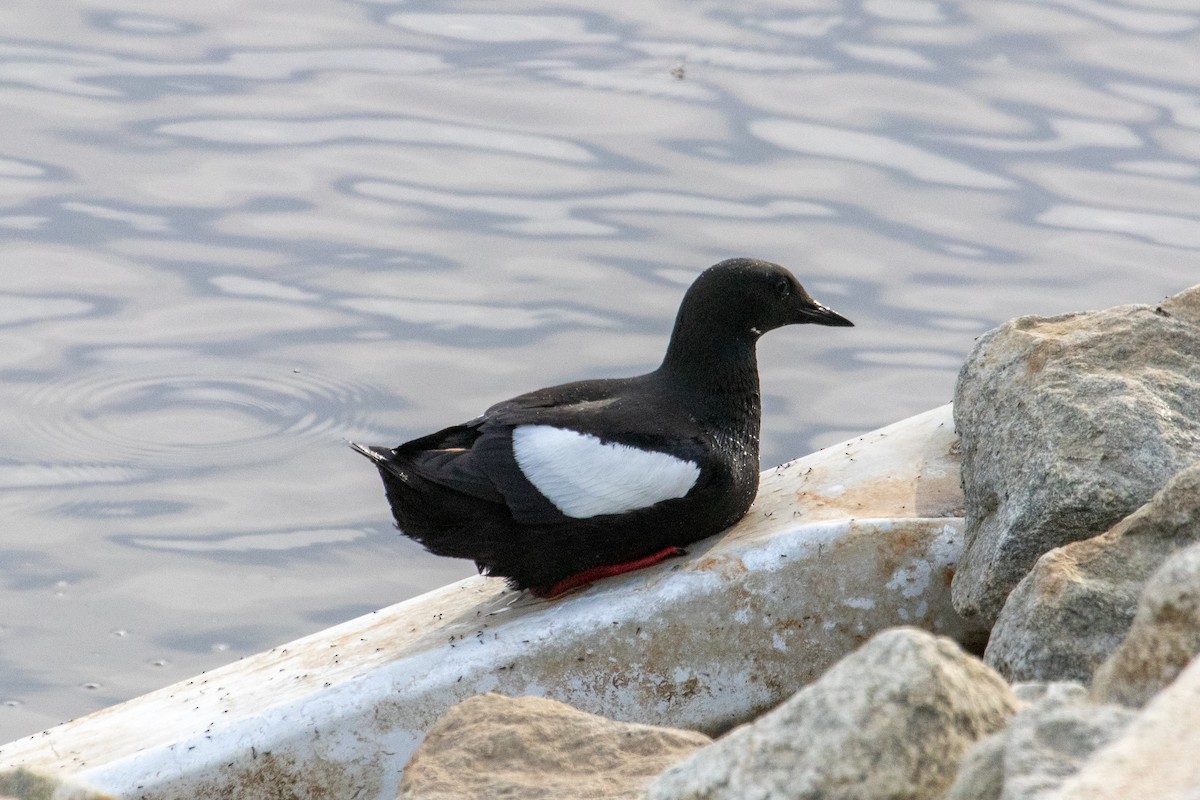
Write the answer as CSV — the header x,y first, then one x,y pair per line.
x,y
446,522
377,454
384,458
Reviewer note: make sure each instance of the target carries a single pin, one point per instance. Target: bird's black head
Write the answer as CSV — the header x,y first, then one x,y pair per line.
x,y
711,353
745,296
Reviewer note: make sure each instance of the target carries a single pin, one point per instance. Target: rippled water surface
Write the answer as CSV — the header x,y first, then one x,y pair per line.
x,y
234,235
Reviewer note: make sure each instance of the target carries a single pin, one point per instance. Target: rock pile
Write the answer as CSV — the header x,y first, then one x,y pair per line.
x,y
1164,636
1068,425
891,720
1081,474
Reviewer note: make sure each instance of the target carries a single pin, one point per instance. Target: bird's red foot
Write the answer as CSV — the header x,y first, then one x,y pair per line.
x,y
596,573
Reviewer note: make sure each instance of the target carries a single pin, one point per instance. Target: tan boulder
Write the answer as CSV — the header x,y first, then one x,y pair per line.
x,y
1164,638
1045,743
531,748
1158,755
1073,609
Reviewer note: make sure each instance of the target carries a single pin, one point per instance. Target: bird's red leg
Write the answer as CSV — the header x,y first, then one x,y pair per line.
x,y
607,571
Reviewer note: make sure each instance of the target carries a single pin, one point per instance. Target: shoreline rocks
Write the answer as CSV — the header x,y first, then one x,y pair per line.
x,y
890,720
1164,637
1155,757
1074,607
1069,424
1045,743
1081,472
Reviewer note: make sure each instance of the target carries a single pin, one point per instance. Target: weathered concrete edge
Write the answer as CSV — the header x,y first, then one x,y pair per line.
x,y
703,642
358,734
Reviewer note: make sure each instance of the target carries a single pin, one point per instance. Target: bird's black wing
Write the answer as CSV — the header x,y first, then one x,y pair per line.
x,y
493,455
478,459
447,459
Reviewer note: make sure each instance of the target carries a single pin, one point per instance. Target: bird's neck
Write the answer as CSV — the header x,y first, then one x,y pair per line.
x,y
718,376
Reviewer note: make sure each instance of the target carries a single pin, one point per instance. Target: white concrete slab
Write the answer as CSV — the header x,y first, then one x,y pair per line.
x,y
839,544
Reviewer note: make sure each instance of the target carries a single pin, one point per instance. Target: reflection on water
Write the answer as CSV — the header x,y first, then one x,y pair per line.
x,y
233,240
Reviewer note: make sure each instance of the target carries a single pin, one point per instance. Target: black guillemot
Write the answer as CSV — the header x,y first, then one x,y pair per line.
x,y
559,487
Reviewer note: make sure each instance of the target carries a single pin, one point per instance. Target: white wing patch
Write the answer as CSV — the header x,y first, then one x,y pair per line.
x,y
585,477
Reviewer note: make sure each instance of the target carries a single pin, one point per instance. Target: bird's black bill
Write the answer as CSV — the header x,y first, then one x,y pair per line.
x,y
818,314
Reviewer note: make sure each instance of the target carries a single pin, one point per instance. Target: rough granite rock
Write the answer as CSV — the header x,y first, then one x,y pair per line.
x,y
1077,603
1068,424
981,772
1157,756
531,748
1044,744
890,720
1164,637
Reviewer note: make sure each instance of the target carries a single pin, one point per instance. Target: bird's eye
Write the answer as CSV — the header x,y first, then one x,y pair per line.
x,y
783,288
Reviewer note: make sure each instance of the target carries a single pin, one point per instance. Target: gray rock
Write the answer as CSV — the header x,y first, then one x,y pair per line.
x,y
1164,637
981,773
1046,742
1068,424
1076,605
891,720
1157,756
531,748
1050,741
1030,691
